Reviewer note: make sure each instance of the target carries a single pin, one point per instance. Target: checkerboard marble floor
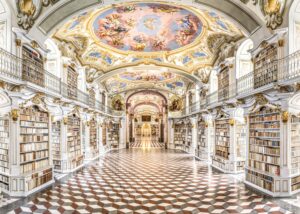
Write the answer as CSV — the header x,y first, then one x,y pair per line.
x,y
146,142
149,180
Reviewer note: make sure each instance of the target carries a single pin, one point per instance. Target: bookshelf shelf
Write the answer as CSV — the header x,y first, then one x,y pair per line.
x,y
230,145
264,148
180,135
265,72
202,143
94,139
72,82
35,147
56,146
113,133
223,82
74,150
33,66
4,153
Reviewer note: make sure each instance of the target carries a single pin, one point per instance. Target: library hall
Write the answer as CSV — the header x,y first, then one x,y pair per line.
x,y
150,106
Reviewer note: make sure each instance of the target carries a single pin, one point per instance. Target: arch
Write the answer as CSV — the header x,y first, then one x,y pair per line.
x,y
144,104
172,68
294,27
147,91
244,64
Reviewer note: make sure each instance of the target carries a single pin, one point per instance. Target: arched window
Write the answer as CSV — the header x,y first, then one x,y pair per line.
x,y
294,27
213,82
244,64
5,26
53,64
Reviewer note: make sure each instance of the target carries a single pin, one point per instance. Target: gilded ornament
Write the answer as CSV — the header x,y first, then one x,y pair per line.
x,y
65,120
14,114
231,122
18,42
285,117
176,104
29,11
34,44
281,42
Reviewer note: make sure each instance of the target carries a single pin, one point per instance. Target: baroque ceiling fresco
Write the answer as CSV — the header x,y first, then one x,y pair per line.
x,y
157,79
151,33
145,101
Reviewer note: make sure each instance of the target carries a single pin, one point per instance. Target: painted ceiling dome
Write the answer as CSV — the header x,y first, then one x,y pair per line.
x,y
134,33
147,27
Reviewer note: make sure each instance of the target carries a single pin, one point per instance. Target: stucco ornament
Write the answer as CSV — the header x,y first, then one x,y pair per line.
x,y
118,103
29,11
272,10
176,104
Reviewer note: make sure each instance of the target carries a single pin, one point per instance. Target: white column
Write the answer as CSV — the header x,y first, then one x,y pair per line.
x,y
210,133
63,144
194,135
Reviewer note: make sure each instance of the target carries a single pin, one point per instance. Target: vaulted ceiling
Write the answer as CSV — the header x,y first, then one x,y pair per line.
x,y
149,45
124,34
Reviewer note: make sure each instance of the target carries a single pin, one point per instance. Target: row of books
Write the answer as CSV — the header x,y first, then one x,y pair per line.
x,y
264,134
269,118
270,143
31,147
34,124
272,169
38,180
29,167
37,118
264,150
265,158
31,156
34,131
34,138
268,125
261,180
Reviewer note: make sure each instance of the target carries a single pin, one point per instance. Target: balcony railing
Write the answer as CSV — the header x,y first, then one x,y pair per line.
x,y
289,68
212,98
245,84
18,71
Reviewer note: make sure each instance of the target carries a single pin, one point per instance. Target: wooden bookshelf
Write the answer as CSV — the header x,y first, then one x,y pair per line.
x,y
179,135
72,82
94,138
202,144
4,153
295,153
113,133
92,98
241,134
223,82
104,135
222,139
265,72
56,146
264,148
33,66
34,147
75,153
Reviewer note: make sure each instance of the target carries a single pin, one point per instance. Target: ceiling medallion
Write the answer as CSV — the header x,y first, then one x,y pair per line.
x,y
147,28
